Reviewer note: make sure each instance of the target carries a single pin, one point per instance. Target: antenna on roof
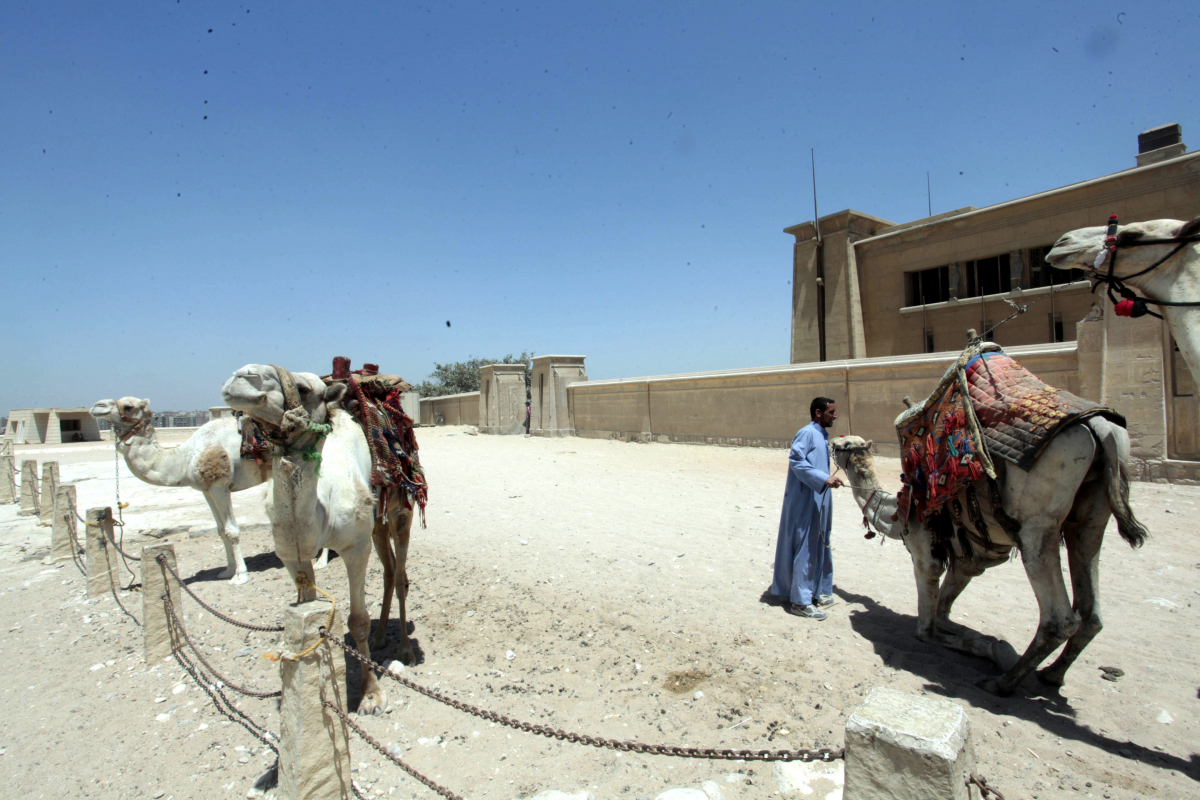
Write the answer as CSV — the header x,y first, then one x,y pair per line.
x,y
928,195
816,217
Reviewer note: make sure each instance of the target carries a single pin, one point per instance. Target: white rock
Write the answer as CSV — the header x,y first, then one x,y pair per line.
x,y
698,695
735,777
163,717
682,794
1165,718
820,780
711,790
510,655
96,667
1158,601
179,687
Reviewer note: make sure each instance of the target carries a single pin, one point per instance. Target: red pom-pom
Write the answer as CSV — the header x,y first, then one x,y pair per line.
x,y
1124,308
1112,217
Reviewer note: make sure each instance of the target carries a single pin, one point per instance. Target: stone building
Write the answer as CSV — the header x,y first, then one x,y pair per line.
x,y
51,426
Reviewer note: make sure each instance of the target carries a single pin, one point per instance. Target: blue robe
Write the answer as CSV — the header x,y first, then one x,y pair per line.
x,y
803,566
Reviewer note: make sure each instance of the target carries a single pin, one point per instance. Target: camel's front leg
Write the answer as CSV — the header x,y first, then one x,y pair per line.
x,y
374,701
221,505
1058,620
403,530
927,572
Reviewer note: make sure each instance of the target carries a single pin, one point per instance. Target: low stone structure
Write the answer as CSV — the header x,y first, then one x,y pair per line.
x,y
47,493
451,409
502,399
51,426
550,408
29,488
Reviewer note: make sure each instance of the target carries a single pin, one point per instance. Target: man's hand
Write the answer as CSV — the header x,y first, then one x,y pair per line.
x,y
834,483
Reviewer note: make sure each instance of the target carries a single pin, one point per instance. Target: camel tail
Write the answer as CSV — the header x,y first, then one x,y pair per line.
x,y
1115,443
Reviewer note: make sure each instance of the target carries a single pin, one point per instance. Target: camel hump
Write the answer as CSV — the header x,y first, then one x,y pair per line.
x,y
213,466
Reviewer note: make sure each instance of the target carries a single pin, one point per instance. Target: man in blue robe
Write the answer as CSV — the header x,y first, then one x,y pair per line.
x,y
803,566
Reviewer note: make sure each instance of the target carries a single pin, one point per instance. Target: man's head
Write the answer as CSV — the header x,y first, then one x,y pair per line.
x,y
823,411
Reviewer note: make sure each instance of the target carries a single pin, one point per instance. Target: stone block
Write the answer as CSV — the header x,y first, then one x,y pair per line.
x,y
29,488
64,532
907,747
47,493
103,561
161,637
819,780
8,480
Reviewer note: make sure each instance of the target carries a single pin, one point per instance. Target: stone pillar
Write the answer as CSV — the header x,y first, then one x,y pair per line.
x,y
62,543
29,488
103,563
502,399
550,412
806,336
161,637
314,744
907,747
8,481
955,274
49,489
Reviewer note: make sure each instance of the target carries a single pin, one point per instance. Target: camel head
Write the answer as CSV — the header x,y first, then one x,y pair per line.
x,y
1078,249
256,390
853,454
122,414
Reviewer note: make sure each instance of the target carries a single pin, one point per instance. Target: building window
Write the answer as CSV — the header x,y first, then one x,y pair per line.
x,y
928,286
69,425
929,348
1056,327
988,276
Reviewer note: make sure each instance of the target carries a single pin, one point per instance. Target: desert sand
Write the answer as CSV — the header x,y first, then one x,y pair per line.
x,y
601,587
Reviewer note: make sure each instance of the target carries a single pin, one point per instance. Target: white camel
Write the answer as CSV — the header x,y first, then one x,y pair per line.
x,y
1176,279
209,461
1078,480
322,497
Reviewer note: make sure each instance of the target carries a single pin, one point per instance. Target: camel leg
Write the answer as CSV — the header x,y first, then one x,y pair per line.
x,y
221,506
1084,536
1058,621
401,535
322,559
381,535
294,569
374,701
957,578
927,572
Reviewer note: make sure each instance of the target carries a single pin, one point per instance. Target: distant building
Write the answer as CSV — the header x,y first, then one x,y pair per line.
x,y
51,426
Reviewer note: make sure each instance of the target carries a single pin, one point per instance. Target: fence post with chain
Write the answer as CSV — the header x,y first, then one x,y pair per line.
x,y
314,746
102,571
49,487
8,480
62,543
908,747
29,488
161,637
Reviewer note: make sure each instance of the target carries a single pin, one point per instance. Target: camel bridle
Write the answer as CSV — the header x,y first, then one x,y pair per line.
x,y
136,425
1131,304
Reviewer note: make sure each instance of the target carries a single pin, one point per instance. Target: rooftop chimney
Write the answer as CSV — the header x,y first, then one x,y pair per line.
x,y
1159,144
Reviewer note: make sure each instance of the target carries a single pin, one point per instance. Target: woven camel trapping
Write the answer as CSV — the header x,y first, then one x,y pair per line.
x,y
392,441
986,404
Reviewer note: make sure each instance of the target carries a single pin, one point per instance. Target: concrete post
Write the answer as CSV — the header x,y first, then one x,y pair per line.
x,y
314,746
8,480
907,747
49,487
103,566
62,543
502,399
161,638
29,488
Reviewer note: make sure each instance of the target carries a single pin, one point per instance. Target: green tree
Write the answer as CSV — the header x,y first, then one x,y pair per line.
x,y
464,376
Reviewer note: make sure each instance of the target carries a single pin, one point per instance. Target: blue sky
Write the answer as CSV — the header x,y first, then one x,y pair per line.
x,y
190,187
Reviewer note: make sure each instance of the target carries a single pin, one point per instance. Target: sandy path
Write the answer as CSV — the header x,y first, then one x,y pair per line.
x,y
624,578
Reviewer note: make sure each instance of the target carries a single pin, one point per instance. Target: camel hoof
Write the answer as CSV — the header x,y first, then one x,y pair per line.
x,y
1049,678
239,578
377,643
404,653
227,573
992,686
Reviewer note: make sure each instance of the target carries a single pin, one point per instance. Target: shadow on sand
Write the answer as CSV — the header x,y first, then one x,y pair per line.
x,y
953,675
388,653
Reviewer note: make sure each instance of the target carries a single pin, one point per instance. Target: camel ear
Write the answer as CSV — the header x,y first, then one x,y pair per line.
x,y
144,403
334,392
1190,228
870,443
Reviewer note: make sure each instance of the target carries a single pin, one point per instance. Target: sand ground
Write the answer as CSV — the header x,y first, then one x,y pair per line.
x,y
623,579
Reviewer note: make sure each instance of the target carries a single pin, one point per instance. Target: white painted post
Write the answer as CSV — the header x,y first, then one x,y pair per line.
x,y
314,746
162,639
103,567
908,747
62,543
29,488
8,480
49,487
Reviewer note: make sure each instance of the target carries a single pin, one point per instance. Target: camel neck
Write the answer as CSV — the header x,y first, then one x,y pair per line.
x,y
151,463
878,505
296,501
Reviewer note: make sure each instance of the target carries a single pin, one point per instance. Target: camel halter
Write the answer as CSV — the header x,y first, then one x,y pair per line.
x,y
1132,305
873,524
306,442
124,438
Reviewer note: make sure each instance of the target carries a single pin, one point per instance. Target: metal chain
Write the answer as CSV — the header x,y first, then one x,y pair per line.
x,y
986,792
1019,311
75,548
442,790
162,559
240,689
820,754
112,584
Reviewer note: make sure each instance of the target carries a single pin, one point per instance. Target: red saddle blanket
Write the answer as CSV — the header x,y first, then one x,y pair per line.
x,y
1018,417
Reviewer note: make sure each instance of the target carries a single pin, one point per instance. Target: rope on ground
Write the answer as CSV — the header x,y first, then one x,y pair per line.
x,y
820,754
442,790
986,792
183,631
224,704
162,559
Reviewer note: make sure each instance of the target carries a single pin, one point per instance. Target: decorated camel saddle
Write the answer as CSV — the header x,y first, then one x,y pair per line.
x,y
986,405
374,401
